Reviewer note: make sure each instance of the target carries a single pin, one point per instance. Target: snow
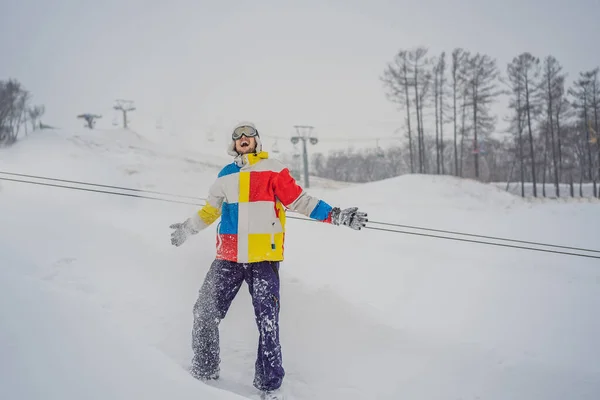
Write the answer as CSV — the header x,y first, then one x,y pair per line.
x,y
96,303
57,344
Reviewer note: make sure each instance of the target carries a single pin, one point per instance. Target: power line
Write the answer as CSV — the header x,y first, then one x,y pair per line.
x,y
395,225
478,241
483,236
488,243
307,219
201,198
103,186
99,191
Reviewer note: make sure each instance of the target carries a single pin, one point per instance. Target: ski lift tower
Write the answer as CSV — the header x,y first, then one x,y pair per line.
x,y
304,133
124,106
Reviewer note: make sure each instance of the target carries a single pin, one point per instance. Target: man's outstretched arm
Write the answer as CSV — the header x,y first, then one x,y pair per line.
x,y
202,219
296,199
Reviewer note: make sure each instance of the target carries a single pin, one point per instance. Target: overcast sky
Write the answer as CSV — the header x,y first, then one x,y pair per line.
x,y
202,65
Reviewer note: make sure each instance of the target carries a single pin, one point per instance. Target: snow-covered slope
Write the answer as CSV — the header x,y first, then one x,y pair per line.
x,y
57,344
96,303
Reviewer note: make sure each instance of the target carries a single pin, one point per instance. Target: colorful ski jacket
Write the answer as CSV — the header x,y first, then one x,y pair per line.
x,y
251,196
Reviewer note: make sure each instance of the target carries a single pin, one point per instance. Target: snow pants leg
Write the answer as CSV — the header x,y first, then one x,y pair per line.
x,y
220,287
263,283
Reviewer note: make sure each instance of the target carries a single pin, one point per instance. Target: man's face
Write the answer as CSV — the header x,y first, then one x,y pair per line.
x,y
245,145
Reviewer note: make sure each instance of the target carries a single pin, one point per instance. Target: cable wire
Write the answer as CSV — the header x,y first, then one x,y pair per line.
x,y
371,222
468,240
488,243
99,185
305,219
98,191
484,236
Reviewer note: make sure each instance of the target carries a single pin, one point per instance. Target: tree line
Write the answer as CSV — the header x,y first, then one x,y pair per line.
x,y
447,102
17,113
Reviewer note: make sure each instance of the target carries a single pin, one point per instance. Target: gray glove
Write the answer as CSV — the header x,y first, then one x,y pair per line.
x,y
182,232
350,217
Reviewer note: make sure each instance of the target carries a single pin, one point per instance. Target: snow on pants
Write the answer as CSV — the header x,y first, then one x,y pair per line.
x,y
220,286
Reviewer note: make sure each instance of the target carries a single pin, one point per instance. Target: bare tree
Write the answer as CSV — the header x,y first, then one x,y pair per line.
x,y
523,73
14,100
516,103
465,129
562,109
442,104
424,100
397,81
595,110
420,83
438,94
552,89
457,70
582,95
482,78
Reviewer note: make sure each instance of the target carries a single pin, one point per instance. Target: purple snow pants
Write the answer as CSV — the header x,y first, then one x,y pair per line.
x,y
220,286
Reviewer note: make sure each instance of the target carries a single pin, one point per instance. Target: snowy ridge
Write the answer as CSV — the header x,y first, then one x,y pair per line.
x,y
96,303
432,191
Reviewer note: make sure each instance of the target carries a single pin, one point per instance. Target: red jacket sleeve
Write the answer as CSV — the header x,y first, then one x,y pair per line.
x,y
296,199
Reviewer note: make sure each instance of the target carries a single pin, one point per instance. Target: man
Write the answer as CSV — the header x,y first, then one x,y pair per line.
x,y
250,195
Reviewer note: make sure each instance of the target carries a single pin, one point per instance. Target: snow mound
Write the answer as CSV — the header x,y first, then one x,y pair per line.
x,y
430,191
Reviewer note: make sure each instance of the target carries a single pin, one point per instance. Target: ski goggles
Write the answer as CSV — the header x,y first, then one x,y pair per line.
x,y
247,131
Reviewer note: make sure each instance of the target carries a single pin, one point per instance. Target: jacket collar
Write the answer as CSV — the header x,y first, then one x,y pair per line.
x,y
250,159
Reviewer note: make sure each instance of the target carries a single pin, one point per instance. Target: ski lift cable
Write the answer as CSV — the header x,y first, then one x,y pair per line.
x,y
483,236
195,203
100,185
389,224
488,243
471,240
305,219
100,191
